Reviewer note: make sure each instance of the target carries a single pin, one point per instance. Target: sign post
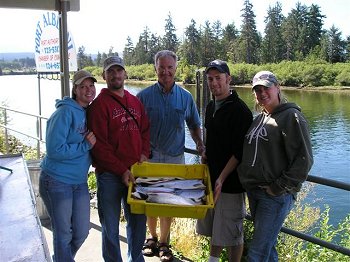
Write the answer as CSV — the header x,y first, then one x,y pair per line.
x,y
64,50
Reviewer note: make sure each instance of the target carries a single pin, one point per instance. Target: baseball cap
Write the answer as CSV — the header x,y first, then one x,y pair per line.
x,y
264,78
81,75
111,61
220,65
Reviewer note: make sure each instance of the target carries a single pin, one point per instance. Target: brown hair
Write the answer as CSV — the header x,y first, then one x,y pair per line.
x,y
74,95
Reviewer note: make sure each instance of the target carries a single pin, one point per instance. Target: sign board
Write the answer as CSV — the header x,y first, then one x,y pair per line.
x,y
74,5
47,45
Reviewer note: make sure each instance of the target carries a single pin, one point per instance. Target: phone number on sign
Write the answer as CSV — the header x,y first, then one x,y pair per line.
x,y
52,65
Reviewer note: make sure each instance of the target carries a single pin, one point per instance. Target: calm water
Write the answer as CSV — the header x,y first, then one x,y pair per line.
x,y
328,114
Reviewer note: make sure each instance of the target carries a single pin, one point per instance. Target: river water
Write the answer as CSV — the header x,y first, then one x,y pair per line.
x,y
328,114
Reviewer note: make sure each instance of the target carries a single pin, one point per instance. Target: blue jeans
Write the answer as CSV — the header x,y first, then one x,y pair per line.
x,y
158,157
69,209
111,193
268,213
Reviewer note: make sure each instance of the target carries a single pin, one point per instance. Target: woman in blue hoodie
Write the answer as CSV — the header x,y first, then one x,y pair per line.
x,y
63,179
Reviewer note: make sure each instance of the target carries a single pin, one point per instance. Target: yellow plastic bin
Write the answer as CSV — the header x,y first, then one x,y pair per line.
x,y
195,171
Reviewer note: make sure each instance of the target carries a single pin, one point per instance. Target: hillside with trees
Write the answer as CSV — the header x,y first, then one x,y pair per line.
x,y
297,37
294,45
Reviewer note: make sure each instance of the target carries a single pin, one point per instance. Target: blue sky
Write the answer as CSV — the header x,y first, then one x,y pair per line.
x,y
101,24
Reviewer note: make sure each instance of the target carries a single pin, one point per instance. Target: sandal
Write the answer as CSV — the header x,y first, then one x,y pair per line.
x,y
150,248
165,254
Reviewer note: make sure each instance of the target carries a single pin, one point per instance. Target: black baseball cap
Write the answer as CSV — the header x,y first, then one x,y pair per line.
x,y
219,65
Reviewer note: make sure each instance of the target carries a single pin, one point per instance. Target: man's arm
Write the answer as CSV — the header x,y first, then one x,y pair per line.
x,y
196,135
231,165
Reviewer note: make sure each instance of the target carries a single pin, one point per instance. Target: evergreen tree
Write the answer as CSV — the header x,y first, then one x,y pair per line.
x,y
99,60
273,46
170,41
142,48
314,24
104,56
83,60
347,49
249,40
230,34
219,50
155,46
207,45
128,53
294,31
189,50
111,53
336,46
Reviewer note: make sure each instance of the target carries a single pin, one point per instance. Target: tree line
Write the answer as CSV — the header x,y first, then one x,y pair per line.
x,y
299,36
27,64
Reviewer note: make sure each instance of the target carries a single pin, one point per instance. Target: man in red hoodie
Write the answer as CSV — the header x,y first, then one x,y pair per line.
x,y
119,121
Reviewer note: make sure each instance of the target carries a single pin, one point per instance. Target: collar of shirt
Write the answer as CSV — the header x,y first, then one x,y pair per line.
x,y
162,89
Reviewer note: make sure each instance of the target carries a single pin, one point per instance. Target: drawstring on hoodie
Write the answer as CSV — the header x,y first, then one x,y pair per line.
x,y
255,133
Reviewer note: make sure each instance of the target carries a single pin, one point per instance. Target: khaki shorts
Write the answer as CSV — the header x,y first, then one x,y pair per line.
x,y
224,223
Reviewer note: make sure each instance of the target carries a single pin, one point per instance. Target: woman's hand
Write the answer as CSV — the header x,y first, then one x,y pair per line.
x,y
91,138
268,190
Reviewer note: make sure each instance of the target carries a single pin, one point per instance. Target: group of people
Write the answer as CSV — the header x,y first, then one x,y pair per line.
x,y
268,157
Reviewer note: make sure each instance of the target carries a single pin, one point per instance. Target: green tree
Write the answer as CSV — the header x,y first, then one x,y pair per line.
x,y
128,53
189,49
229,36
111,53
170,41
336,46
27,62
155,46
217,38
83,60
294,32
104,56
249,40
314,23
142,48
207,44
99,60
324,43
347,49
273,46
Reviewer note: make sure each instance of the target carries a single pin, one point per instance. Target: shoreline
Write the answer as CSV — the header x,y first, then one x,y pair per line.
x,y
145,83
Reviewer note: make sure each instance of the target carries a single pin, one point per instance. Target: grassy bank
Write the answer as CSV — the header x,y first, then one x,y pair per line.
x,y
299,74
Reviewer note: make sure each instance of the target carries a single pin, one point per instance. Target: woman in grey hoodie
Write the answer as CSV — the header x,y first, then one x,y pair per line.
x,y
277,157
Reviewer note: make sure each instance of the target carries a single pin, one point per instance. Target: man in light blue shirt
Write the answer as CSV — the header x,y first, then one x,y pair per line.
x,y
168,107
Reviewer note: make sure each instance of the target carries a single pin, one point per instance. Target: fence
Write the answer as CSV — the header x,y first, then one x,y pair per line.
x,y
4,116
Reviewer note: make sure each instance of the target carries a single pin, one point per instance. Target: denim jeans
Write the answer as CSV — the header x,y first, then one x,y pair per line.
x,y
158,157
111,193
268,213
69,209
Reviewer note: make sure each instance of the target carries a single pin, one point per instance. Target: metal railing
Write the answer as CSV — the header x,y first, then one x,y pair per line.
x,y
314,179
39,128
